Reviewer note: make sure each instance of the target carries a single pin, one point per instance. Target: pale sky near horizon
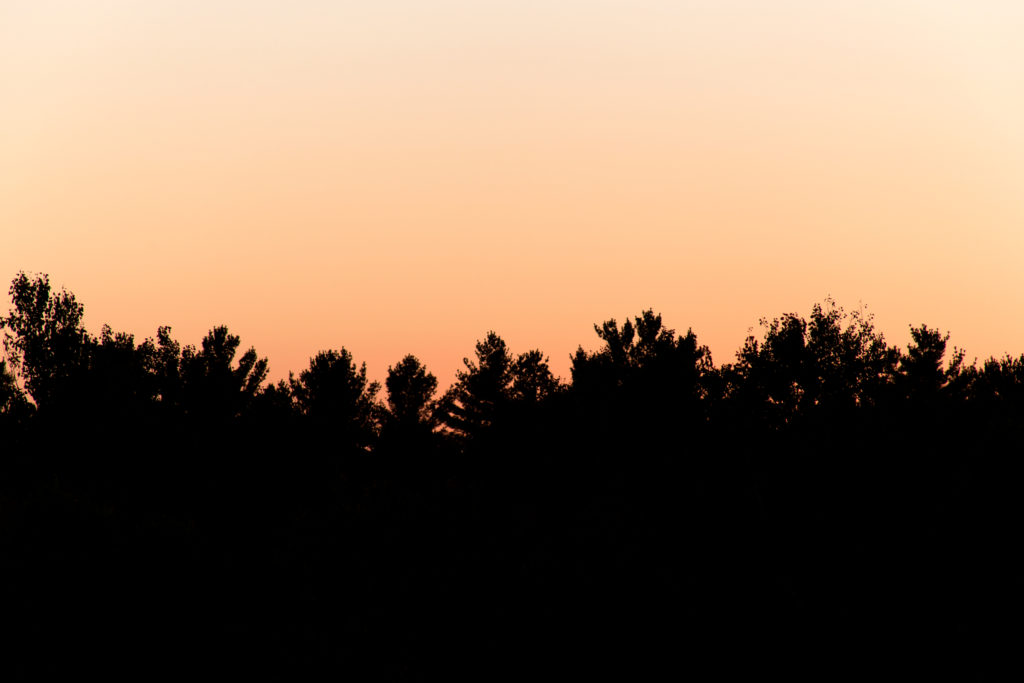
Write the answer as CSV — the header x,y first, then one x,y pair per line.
x,y
400,176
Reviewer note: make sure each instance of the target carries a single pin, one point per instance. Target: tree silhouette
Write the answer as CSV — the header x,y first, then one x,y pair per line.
x,y
996,393
645,374
120,386
830,365
337,399
274,405
481,391
409,417
214,387
921,366
410,393
492,385
852,364
45,341
162,360
532,379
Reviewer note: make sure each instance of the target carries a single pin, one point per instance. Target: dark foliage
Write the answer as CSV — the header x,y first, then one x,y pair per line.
x,y
337,401
163,506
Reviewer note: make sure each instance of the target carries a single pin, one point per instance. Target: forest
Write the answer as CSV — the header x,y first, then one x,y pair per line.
x,y
165,507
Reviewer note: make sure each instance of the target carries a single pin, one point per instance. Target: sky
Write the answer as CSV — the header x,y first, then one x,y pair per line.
x,y
401,176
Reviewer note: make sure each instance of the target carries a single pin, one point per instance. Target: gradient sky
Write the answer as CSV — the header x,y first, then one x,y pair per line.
x,y
400,176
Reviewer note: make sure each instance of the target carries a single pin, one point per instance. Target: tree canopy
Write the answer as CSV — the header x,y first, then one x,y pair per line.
x,y
823,484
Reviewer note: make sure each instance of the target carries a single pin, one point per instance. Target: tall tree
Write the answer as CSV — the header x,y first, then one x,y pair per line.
x,y
214,386
45,340
481,390
921,366
492,385
336,397
644,372
408,419
825,367
410,393
161,358
532,379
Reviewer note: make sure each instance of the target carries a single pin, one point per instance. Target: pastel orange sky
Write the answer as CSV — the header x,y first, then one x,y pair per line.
x,y
400,176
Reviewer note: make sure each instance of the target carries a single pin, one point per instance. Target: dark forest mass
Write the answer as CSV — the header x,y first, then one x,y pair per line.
x,y
164,505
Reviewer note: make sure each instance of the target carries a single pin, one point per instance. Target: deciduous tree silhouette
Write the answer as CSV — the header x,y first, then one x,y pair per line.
x,y
644,375
161,358
830,365
214,387
120,385
46,342
274,405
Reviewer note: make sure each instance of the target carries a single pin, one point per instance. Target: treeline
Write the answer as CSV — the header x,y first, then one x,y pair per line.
x,y
801,373
825,486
